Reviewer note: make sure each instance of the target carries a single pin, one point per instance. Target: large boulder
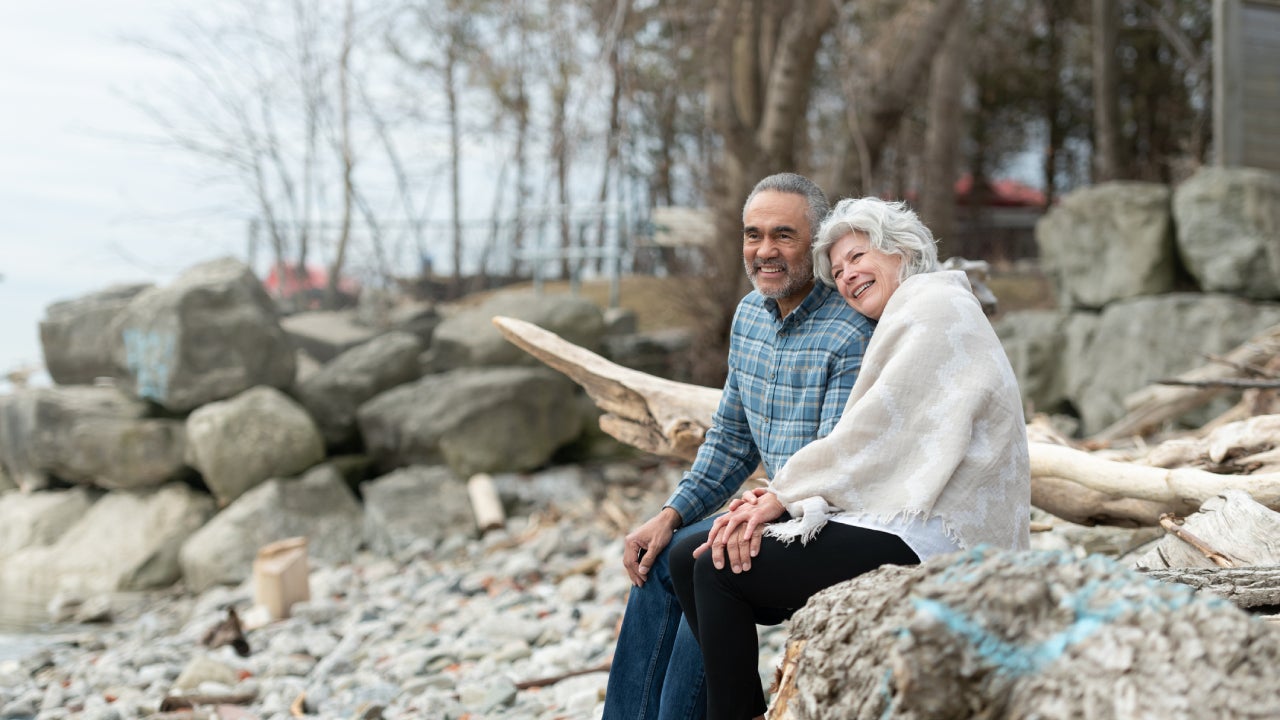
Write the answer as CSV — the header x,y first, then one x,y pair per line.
x,y
1109,242
76,334
319,505
326,334
469,338
89,435
41,518
483,420
413,505
261,433
1228,223
210,334
1021,635
1137,342
128,540
333,393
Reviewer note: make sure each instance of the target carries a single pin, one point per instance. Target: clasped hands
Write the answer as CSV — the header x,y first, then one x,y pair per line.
x,y
737,533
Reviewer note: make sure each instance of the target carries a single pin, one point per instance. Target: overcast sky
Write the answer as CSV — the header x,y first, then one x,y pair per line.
x,y
84,202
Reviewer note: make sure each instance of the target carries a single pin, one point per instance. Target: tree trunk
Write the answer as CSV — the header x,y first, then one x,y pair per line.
x,y
455,155
348,160
942,138
1106,107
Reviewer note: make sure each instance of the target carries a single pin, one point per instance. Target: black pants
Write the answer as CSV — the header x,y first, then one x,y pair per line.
x,y
723,608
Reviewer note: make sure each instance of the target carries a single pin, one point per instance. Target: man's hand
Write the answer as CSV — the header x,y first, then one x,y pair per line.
x,y
737,533
643,545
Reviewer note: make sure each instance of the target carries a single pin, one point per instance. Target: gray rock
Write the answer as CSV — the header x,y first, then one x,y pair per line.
x,y
30,520
563,486
1229,230
1034,341
333,393
211,334
261,433
326,334
488,420
1109,242
69,432
128,540
470,339
412,504
76,338
1137,342
318,505
664,353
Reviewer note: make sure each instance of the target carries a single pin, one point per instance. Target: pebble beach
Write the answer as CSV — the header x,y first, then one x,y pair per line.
x,y
519,623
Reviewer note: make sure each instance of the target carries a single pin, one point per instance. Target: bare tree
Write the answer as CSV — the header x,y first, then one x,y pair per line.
x,y
944,130
1106,109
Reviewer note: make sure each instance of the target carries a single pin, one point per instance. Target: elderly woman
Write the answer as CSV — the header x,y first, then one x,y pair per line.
x,y
929,457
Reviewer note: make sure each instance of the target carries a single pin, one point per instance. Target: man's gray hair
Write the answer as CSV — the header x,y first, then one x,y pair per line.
x,y
795,185
891,227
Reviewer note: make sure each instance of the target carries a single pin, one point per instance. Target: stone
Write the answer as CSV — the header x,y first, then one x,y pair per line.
x,y
563,486
412,504
207,336
75,335
1109,242
1033,340
128,540
999,634
326,334
60,431
319,506
484,420
204,669
664,353
259,434
469,338
1137,342
41,518
1228,223
333,394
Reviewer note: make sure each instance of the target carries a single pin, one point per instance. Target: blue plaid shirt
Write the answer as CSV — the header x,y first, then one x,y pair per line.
x,y
788,382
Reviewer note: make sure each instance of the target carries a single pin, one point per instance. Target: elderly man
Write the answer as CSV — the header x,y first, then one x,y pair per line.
x,y
794,354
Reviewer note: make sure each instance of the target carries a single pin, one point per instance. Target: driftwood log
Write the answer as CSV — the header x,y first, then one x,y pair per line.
x,y
670,418
659,416
1245,587
1156,404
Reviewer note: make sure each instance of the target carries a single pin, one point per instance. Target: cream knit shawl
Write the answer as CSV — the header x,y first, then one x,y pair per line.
x,y
933,428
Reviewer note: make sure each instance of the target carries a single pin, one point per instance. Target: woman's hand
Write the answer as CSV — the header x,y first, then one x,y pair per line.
x,y
737,533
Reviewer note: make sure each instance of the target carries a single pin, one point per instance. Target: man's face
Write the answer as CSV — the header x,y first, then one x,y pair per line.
x,y
775,245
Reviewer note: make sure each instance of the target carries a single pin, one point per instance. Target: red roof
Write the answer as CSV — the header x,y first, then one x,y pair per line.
x,y
1003,193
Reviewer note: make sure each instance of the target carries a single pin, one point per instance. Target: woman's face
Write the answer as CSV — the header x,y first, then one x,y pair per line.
x,y
865,277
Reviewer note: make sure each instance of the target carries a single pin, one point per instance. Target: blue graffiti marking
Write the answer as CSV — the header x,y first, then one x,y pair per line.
x,y
1021,660
149,355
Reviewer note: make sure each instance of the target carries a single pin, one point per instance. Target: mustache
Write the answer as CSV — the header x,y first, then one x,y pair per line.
x,y
757,264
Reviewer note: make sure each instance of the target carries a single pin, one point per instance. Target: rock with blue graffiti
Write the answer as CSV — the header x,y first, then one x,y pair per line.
x,y
210,334
1025,635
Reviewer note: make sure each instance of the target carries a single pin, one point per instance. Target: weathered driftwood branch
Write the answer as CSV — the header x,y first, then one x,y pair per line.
x,y
1224,383
671,418
1169,522
1245,587
656,415
1155,404
1176,488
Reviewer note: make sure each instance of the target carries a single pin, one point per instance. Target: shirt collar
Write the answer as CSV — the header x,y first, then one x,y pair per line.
x,y
814,300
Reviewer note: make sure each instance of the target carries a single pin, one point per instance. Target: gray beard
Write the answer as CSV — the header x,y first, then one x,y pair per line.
x,y
790,287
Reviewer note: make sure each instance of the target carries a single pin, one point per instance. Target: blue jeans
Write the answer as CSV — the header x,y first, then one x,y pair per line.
x,y
657,666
